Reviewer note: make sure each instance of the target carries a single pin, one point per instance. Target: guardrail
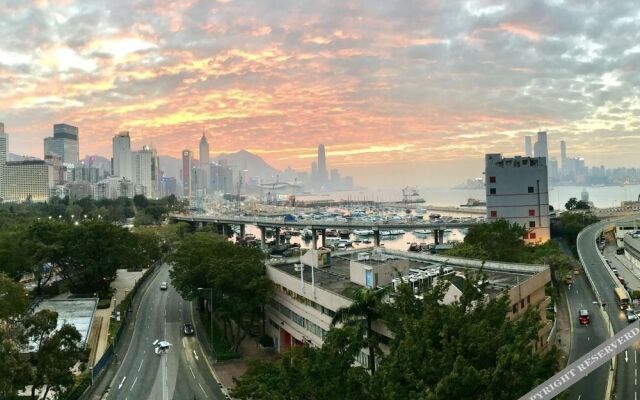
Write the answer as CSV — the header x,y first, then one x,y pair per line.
x,y
605,316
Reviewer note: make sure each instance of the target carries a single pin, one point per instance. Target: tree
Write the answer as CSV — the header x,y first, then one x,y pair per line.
x,y
499,240
235,274
140,201
56,352
574,204
14,299
44,242
361,314
14,259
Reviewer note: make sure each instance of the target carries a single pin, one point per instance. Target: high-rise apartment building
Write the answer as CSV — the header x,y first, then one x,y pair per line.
x,y
205,162
528,147
541,149
64,143
122,158
563,155
146,171
4,153
187,162
517,191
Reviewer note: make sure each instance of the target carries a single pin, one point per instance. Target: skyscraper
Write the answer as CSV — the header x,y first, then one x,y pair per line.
x,y
4,152
563,155
540,149
186,172
528,148
205,162
146,174
64,143
322,165
122,159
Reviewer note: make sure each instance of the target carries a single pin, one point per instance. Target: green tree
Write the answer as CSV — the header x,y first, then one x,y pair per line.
x,y
14,299
14,258
498,240
56,352
574,204
361,315
44,242
236,275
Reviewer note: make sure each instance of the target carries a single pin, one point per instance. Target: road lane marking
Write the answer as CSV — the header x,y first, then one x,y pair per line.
x,y
140,365
626,357
134,383
194,375
123,379
195,354
203,391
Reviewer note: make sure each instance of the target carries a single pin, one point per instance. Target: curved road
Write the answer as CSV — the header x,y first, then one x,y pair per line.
x,y
182,373
626,383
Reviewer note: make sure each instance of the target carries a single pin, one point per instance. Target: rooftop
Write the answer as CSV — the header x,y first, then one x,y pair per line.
x,y
76,312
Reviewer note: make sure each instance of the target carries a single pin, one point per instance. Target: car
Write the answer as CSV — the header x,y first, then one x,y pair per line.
x,y
622,281
631,315
583,317
187,329
163,286
615,271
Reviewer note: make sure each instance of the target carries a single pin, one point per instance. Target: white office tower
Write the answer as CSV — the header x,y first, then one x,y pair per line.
x,y
29,180
146,171
4,152
528,147
517,191
540,149
122,160
563,156
205,163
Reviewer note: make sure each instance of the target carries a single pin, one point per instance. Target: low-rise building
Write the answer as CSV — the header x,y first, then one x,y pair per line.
x,y
309,292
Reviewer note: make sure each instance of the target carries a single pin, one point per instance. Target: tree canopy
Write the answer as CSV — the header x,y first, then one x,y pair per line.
x,y
575,204
464,350
236,276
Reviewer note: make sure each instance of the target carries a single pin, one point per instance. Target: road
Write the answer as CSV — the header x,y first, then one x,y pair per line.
x,y
182,373
626,383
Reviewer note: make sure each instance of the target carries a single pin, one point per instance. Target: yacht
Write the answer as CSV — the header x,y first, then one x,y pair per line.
x,y
397,231
422,231
363,232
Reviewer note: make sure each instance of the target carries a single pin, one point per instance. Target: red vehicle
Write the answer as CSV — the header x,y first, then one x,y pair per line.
x,y
583,317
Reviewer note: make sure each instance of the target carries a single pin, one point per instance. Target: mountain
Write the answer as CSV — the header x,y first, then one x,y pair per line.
x,y
171,166
255,166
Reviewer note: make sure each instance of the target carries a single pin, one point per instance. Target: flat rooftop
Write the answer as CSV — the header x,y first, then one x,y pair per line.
x,y
76,312
336,278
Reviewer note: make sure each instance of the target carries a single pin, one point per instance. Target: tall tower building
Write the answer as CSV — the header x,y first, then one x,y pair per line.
x,y
322,165
563,155
517,190
205,162
187,162
146,171
122,158
528,148
64,143
4,153
541,149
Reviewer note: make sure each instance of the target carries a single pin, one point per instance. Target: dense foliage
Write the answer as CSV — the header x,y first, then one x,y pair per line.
x,y
574,204
32,351
463,350
236,276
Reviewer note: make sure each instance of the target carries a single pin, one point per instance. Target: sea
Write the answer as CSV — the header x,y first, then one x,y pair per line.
x,y
601,197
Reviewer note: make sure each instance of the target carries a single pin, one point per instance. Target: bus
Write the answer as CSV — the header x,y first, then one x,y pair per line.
x,y
621,298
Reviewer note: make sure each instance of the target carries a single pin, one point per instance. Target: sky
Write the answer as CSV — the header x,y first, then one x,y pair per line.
x,y
398,91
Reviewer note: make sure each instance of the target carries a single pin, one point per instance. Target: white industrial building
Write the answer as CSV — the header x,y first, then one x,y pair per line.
x,y
517,190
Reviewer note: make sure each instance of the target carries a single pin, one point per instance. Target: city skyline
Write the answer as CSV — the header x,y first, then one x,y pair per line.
x,y
385,86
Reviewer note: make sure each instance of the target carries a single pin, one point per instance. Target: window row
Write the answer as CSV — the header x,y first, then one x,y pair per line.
x,y
307,302
530,189
300,320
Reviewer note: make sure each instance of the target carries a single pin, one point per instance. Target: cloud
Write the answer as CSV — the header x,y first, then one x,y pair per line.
x,y
378,82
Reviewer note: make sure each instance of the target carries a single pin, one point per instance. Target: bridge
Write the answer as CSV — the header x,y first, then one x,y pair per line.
x,y
317,225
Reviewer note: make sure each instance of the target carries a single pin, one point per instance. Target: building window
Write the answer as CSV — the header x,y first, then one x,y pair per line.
x,y
492,179
528,299
532,224
514,309
522,303
532,213
492,191
494,214
532,235
530,190
525,236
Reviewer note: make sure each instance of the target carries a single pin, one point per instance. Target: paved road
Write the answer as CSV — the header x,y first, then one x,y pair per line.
x,y
182,373
626,383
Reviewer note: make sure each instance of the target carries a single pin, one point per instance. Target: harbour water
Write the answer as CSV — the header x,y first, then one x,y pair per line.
x,y
604,196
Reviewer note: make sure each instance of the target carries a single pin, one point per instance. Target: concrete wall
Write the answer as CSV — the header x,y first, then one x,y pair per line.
x,y
511,179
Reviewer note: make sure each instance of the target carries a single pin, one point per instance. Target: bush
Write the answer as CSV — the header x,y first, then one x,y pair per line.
x,y
104,303
266,341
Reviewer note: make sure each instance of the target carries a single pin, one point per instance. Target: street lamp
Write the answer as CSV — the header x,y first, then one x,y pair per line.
x,y
210,315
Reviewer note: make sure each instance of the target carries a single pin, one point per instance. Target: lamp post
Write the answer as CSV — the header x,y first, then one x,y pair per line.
x,y
210,315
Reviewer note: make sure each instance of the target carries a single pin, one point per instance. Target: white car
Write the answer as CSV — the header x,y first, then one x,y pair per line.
x,y
163,286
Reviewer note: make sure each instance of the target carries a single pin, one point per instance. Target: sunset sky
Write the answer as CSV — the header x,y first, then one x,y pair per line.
x,y
398,91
